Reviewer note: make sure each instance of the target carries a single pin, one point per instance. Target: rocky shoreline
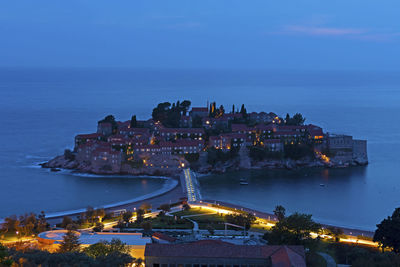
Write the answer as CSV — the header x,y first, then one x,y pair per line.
x,y
60,162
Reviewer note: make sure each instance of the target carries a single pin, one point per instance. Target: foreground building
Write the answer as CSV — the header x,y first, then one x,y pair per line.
x,y
216,253
135,241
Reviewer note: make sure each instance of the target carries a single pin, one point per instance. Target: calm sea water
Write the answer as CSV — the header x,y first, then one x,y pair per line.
x,y
42,110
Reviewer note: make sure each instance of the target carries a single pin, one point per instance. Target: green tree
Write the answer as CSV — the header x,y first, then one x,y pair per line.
x,y
139,215
97,250
292,230
116,245
146,207
133,123
243,111
296,120
70,242
126,216
100,213
165,207
185,106
387,233
110,119
244,220
10,224
5,259
98,227
115,259
42,224
90,214
335,232
279,212
105,248
147,226
66,221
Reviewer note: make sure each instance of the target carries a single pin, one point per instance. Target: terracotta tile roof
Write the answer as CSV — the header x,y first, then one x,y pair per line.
x,y
240,127
162,236
282,256
287,256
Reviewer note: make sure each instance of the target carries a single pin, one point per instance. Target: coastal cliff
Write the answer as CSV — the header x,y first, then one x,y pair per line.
x,y
61,162
241,162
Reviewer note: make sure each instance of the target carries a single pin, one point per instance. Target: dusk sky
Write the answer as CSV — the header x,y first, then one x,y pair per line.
x,y
343,34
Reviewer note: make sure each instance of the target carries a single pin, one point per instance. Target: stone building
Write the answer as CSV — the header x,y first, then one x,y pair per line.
x,y
199,111
104,128
346,150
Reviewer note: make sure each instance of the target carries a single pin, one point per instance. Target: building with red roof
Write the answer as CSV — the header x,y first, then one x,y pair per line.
x,y
104,128
83,138
219,253
229,140
181,133
161,238
105,159
128,131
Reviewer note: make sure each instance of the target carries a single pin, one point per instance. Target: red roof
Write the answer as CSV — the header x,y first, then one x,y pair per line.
x,y
282,256
263,127
89,136
162,236
240,127
288,256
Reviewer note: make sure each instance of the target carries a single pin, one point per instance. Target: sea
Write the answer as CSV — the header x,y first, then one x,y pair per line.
x,y
41,110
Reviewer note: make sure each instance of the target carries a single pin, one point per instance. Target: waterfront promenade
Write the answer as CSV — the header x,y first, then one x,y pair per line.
x,y
171,196
187,187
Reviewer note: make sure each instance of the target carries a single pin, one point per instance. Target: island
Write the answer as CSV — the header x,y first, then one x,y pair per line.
x,y
207,139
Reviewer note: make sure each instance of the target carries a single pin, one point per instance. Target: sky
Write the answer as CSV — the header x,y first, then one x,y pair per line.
x,y
206,34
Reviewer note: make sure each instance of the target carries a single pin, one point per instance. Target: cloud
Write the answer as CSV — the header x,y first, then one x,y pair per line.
x,y
312,30
363,34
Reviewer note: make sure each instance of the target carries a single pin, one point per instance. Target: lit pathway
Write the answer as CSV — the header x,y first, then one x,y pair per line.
x,y
222,210
190,185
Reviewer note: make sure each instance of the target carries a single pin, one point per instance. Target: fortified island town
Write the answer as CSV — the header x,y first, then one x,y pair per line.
x,y
207,139
178,227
